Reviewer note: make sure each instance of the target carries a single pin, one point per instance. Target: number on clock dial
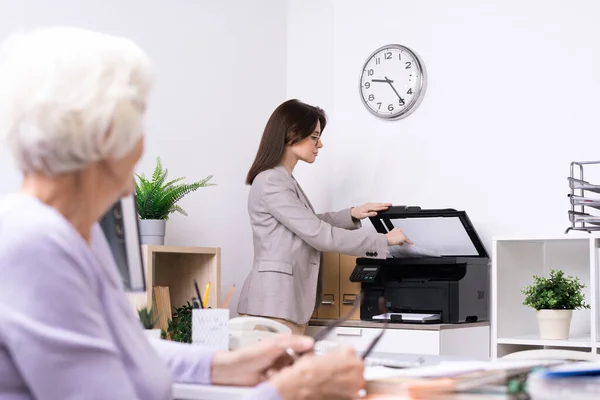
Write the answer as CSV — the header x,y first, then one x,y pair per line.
x,y
389,81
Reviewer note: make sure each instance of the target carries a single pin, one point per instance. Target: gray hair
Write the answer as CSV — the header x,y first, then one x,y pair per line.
x,y
70,97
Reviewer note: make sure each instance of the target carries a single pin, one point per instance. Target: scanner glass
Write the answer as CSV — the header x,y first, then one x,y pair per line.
x,y
443,235
435,233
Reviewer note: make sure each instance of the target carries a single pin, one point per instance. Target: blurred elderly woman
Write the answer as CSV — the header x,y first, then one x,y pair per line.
x,y
71,109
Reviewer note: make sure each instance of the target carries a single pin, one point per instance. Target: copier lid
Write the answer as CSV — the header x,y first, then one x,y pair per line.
x,y
447,232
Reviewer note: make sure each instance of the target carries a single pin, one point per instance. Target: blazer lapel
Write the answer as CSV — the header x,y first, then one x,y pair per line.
x,y
302,196
299,192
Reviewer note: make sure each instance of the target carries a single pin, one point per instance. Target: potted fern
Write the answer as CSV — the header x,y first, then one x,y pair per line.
x,y
157,198
148,321
554,300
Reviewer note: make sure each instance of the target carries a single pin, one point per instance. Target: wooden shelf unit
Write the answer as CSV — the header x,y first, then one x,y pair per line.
x,y
177,267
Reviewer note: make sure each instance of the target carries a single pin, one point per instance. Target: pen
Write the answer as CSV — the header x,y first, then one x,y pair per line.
x,y
327,330
228,297
196,303
198,294
206,292
382,309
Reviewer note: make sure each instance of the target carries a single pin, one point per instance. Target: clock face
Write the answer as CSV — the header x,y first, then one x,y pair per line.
x,y
392,82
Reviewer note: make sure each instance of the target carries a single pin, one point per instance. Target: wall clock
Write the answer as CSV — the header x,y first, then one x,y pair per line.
x,y
393,82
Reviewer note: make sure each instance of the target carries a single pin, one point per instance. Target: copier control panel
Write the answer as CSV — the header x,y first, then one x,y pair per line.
x,y
364,273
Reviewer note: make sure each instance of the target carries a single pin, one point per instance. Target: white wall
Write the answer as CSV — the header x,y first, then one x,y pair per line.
x,y
310,74
512,100
222,70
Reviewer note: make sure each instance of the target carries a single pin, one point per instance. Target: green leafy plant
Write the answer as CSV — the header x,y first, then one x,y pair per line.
x,y
146,316
180,327
157,198
555,293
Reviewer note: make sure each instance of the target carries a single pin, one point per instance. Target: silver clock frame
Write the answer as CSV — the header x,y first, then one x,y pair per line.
x,y
408,110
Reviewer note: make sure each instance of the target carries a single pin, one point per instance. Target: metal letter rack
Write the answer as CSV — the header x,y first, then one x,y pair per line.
x,y
581,219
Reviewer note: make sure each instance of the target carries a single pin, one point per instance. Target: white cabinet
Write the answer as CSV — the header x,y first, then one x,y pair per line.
x,y
465,340
514,262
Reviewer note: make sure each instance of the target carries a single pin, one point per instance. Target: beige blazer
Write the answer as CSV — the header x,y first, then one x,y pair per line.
x,y
286,278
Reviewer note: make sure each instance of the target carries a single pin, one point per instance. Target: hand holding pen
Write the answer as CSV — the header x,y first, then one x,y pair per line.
x,y
335,375
251,365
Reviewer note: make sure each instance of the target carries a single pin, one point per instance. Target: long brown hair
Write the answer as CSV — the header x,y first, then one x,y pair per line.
x,y
290,123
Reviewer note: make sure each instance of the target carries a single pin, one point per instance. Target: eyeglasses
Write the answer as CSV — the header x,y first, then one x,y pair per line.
x,y
323,333
315,138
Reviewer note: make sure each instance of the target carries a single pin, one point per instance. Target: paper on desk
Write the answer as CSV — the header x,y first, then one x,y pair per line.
x,y
432,371
447,369
408,316
411,251
506,365
379,372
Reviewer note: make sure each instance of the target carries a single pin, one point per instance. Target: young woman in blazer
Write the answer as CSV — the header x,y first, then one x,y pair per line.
x,y
285,282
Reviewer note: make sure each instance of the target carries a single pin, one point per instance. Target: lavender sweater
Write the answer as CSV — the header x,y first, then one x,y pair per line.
x,y
67,330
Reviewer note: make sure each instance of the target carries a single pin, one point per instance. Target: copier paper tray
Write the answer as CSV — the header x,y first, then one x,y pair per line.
x,y
408,317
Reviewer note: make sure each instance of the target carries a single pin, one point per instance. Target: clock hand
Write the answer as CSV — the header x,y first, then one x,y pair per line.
x,y
381,80
394,89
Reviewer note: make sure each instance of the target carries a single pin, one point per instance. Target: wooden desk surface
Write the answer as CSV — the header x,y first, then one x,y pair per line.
x,y
420,327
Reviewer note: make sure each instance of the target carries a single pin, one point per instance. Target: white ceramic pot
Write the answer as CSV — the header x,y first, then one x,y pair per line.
x,y
152,231
554,324
152,333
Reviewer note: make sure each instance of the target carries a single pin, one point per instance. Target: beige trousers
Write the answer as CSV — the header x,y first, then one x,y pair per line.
x,y
296,329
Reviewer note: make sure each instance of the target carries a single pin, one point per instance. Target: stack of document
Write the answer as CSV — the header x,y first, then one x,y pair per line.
x,y
427,381
580,380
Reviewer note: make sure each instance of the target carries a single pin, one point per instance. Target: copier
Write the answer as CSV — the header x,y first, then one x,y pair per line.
x,y
442,278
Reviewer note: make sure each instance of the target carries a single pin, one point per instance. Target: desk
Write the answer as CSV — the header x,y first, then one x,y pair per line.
x,y
183,391
467,339
202,392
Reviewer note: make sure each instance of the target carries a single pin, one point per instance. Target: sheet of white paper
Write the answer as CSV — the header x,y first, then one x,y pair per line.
x,y
445,236
450,368
501,364
408,316
411,251
379,372
431,371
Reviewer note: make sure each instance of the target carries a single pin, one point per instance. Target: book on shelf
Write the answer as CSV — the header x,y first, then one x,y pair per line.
x,y
161,304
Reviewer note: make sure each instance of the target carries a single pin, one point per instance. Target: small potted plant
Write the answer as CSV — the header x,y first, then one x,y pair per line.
x,y
554,299
180,327
157,198
148,321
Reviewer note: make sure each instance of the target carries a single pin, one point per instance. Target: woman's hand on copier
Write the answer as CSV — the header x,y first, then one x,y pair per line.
x,y
396,237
